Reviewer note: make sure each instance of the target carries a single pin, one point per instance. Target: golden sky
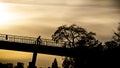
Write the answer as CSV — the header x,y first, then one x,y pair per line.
x,y
42,17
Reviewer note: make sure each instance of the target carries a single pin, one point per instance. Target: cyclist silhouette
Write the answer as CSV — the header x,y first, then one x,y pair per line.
x,y
6,37
39,41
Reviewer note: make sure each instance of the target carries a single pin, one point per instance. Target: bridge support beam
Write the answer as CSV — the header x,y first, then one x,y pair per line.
x,y
33,63
34,58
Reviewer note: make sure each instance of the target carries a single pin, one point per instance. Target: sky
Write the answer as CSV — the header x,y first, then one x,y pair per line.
x,y
42,17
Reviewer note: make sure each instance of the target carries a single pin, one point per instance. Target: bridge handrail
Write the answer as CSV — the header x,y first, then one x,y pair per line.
x,y
27,40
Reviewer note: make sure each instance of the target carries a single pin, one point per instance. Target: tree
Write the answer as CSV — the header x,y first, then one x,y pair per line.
x,y
55,64
115,42
116,36
73,36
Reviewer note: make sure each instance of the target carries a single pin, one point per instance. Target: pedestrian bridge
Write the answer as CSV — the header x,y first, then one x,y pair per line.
x,y
28,44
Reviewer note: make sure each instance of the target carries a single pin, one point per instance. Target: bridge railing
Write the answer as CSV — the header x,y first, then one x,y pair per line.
x,y
28,40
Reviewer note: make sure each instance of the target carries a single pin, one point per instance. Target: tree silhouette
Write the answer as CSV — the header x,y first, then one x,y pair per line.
x,y
55,64
116,36
115,42
74,36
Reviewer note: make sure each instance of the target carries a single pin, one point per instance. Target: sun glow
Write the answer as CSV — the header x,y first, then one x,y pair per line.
x,y
5,15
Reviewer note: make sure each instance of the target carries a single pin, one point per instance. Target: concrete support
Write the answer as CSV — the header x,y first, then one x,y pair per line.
x,y
34,58
33,63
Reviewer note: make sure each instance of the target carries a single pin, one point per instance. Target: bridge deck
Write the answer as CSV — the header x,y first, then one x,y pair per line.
x,y
28,44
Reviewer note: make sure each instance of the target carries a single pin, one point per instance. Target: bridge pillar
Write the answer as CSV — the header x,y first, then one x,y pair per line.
x,y
34,58
32,64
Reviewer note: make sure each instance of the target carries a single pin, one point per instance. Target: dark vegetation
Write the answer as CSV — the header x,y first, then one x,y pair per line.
x,y
95,53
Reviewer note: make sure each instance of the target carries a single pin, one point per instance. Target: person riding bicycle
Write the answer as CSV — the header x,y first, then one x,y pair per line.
x,y
39,40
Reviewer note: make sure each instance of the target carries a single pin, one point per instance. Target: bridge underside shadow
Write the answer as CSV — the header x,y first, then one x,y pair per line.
x,y
52,50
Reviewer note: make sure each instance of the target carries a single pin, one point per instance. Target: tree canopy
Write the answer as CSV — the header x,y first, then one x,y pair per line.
x,y
73,36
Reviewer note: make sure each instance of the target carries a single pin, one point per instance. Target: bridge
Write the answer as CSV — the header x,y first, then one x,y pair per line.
x,y
29,44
